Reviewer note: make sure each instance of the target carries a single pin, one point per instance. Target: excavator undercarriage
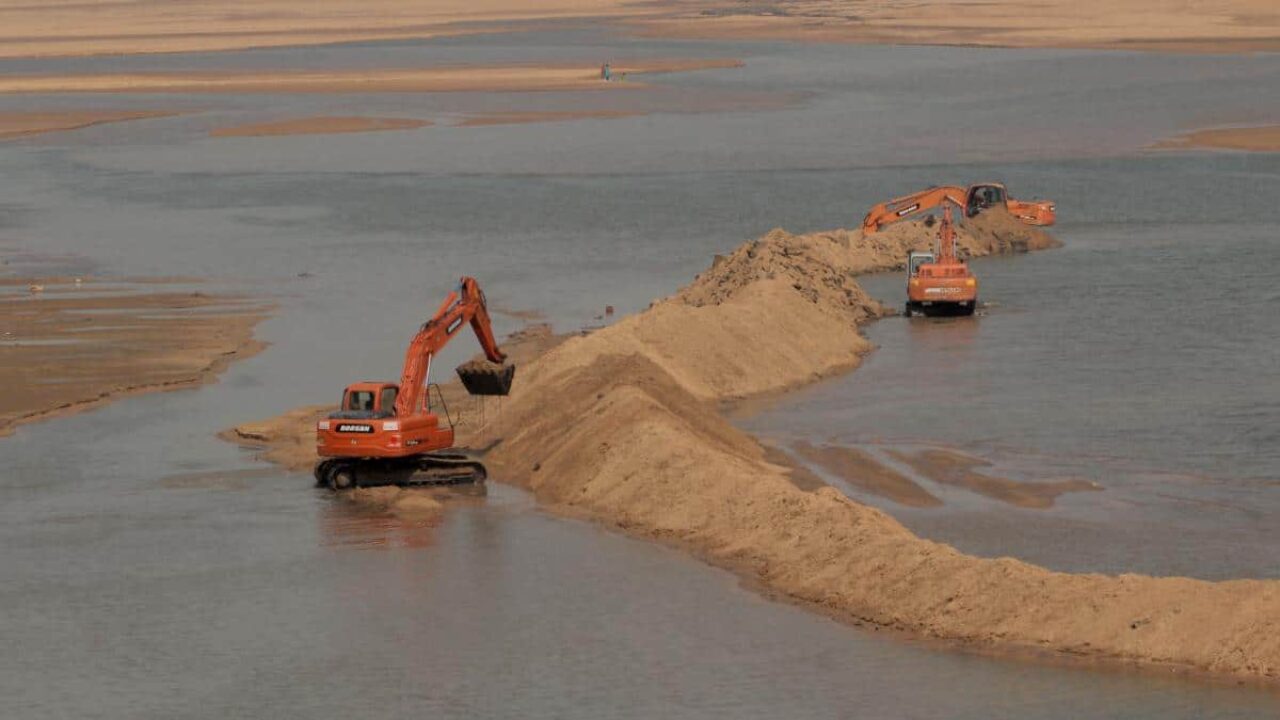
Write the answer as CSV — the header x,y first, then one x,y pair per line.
x,y
418,470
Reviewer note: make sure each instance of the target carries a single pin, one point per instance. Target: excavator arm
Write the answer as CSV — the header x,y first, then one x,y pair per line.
x,y
972,200
464,305
900,208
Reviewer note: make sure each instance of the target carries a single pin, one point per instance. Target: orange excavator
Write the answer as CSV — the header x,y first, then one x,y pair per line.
x,y
973,200
940,284
389,434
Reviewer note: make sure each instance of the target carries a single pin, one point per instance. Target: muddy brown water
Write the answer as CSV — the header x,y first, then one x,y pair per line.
x,y
153,571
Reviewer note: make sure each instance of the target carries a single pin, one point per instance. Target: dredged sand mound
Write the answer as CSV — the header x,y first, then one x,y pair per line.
x,y
622,426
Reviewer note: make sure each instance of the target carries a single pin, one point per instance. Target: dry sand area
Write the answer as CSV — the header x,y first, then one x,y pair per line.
x,y
623,426
461,78
70,347
74,27
1204,26
1254,139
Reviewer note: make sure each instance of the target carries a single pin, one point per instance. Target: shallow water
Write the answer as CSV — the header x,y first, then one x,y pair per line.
x,y
1142,356
147,576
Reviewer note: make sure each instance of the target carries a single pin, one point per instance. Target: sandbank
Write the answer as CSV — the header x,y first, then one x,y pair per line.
x,y
66,348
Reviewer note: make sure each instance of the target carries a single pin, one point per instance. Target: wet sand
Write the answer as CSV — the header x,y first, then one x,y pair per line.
x,y
23,124
864,473
70,348
1255,139
319,126
464,78
953,468
1209,27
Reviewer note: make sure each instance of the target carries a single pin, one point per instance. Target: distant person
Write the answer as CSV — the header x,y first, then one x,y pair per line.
x,y
606,72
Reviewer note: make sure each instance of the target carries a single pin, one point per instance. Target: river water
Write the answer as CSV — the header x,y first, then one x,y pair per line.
x,y
153,571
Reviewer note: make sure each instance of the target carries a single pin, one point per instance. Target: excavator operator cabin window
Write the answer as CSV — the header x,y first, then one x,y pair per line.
x,y
388,400
360,400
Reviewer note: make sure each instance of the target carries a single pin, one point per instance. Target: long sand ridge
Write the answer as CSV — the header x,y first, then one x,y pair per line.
x,y
622,426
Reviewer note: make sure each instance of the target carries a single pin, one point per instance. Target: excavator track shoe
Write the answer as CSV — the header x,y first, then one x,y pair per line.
x,y
481,377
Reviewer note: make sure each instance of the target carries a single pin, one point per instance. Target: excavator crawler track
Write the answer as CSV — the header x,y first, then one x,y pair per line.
x,y
431,469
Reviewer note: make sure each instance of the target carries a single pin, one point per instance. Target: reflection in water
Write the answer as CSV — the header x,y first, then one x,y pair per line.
x,y
957,334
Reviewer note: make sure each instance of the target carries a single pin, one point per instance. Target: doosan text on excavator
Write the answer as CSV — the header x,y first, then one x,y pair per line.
x,y
389,434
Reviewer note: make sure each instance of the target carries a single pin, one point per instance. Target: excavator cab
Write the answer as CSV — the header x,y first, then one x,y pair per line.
x,y
367,401
984,197
916,259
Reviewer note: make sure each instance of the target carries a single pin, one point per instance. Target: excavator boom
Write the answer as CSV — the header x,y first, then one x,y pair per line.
x,y
903,207
973,200
464,305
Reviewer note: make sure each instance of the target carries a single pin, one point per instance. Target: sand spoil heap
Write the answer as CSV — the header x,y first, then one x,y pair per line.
x,y
622,426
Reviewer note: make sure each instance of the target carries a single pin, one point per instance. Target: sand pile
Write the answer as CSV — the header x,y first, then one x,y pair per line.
x,y
622,426
618,426
822,266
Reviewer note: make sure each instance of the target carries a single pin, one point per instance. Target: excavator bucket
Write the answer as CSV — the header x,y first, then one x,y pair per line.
x,y
481,377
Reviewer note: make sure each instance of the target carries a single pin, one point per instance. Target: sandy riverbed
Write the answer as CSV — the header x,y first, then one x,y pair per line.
x,y
622,426
66,27
1256,139
22,124
1210,26
72,27
463,78
69,347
